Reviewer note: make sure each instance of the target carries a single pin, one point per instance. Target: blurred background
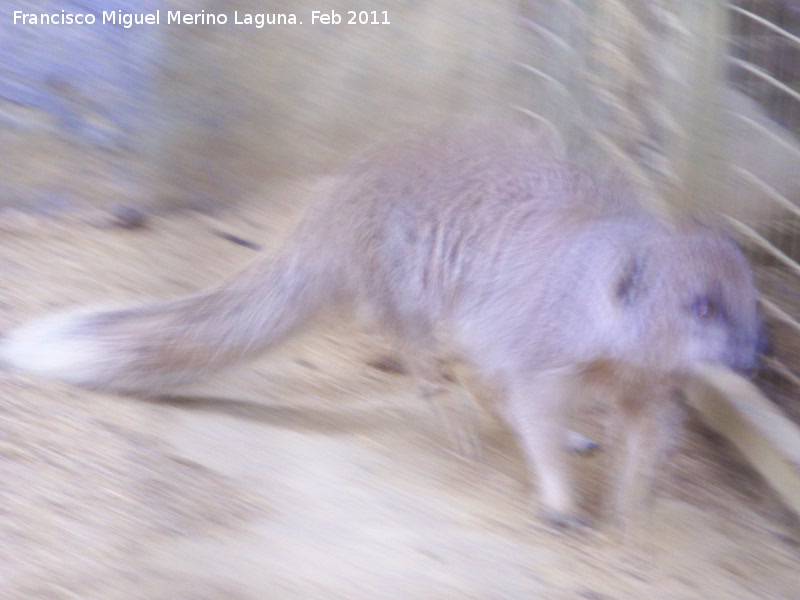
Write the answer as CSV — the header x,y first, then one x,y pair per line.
x,y
198,115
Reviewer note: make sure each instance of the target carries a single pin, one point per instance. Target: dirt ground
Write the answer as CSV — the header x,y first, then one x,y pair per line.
x,y
316,472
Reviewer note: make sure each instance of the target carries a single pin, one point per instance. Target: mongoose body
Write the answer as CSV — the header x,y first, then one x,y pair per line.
x,y
476,245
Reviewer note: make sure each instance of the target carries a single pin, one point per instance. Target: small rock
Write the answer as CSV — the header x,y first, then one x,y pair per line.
x,y
127,217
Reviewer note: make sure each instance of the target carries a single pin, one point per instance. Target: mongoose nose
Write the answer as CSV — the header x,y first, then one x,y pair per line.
x,y
748,359
763,344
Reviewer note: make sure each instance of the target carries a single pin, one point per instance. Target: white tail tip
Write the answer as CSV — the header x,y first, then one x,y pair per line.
x,y
53,347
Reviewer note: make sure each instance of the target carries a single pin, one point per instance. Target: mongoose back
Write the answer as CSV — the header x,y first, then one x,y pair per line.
x,y
546,282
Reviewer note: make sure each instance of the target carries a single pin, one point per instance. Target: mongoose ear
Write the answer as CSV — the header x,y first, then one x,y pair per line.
x,y
630,284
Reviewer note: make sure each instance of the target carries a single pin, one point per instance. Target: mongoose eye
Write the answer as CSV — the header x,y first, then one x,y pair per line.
x,y
706,309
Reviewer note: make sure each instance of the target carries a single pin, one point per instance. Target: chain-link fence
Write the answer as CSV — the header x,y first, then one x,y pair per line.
x,y
697,102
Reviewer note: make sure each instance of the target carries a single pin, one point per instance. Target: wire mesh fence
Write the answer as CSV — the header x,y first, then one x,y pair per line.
x,y
698,103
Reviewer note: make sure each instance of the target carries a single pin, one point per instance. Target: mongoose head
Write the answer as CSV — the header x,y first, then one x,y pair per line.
x,y
692,295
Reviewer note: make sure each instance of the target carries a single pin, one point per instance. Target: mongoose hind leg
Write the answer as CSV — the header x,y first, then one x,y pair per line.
x,y
454,406
458,395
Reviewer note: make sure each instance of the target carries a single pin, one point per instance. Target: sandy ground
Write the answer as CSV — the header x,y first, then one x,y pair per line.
x,y
315,473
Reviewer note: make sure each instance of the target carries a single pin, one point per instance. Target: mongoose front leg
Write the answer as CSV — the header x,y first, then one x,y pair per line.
x,y
650,415
536,411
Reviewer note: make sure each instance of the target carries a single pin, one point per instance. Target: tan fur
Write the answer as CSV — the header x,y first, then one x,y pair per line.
x,y
475,247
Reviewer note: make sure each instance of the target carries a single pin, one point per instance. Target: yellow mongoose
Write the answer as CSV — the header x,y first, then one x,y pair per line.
x,y
543,280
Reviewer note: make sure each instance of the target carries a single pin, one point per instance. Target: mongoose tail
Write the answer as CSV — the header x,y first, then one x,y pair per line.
x,y
150,348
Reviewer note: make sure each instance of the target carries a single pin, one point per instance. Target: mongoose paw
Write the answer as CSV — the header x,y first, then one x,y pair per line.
x,y
580,444
463,439
565,521
458,421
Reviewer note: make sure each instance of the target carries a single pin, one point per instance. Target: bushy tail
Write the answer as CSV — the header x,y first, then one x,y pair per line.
x,y
152,348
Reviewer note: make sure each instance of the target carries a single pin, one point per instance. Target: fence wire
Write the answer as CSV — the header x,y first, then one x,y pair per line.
x,y
698,103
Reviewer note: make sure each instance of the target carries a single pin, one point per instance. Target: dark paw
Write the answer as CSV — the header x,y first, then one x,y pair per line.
x,y
565,521
580,444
